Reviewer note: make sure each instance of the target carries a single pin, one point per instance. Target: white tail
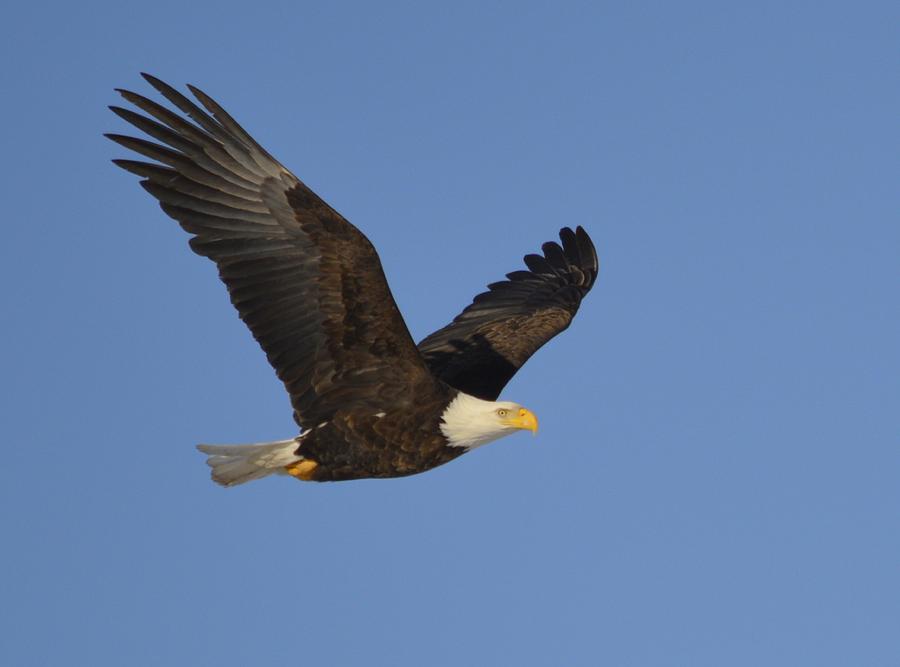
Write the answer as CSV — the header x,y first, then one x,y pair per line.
x,y
235,464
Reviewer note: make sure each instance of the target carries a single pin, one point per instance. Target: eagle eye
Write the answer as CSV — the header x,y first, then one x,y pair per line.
x,y
502,412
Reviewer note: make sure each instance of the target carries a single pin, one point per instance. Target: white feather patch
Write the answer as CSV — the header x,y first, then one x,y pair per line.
x,y
235,464
471,422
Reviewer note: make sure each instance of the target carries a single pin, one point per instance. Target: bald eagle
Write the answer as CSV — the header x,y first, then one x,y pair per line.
x,y
309,285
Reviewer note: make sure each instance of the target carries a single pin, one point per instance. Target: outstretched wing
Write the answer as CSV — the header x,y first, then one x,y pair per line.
x,y
486,344
307,283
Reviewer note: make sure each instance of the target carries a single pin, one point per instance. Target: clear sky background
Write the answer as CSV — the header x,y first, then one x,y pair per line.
x,y
716,477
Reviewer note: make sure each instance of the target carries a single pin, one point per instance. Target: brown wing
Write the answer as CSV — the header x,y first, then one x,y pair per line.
x,y
307,283
486,344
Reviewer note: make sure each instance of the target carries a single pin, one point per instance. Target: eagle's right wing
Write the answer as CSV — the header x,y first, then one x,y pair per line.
x,y
307,283
486,344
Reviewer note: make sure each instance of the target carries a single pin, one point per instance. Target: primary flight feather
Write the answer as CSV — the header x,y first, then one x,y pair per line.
x,y
309,285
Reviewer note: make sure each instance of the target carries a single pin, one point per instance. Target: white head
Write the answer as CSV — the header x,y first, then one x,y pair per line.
x,y
471,422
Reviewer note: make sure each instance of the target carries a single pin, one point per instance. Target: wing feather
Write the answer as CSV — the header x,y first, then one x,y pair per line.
x,y
486,344
307,283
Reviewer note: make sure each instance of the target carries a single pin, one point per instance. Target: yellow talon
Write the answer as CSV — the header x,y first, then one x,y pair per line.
x,y
302,469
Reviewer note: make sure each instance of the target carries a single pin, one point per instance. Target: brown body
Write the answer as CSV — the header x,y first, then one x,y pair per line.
x,y
355,446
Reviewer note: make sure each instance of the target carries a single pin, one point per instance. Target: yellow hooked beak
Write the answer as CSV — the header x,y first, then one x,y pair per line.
x,y
525,420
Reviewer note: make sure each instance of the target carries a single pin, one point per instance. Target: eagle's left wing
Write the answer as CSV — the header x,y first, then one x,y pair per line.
x,y
486,344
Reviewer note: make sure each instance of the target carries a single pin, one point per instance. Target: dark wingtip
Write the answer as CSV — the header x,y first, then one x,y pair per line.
x,y
125,164
556,257
129,95
538,264
570,246
119,111
118,138
587,249
204,99
156,82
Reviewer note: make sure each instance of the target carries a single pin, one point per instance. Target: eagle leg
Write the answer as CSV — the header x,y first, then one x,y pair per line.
x,y
302,470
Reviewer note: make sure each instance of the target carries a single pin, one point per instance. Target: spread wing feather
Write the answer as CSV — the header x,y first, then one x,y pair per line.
x,y
486,344
307,283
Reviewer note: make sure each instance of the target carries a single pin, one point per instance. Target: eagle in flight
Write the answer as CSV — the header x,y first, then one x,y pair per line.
x,y
309,285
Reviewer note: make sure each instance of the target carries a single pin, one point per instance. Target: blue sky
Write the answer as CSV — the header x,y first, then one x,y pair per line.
x,y
715,481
